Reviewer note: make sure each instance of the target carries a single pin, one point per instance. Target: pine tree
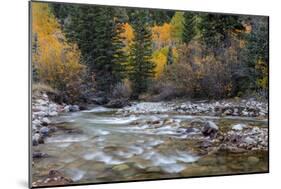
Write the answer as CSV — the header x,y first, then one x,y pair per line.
x,y
35,53
188,27
216,28
140,58
97,31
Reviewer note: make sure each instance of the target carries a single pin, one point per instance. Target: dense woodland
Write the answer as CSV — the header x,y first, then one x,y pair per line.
x,y
81,52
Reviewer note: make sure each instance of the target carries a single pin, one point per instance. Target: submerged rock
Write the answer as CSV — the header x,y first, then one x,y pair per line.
x,y
121,167
253,160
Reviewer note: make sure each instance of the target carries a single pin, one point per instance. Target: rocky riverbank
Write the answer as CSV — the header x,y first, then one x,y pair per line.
x,y
43,112
231,107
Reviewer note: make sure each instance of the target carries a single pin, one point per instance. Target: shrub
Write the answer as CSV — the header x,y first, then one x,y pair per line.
x,y
196,75
122,90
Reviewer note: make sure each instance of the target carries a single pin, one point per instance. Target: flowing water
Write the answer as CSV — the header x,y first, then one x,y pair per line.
x,y
100,146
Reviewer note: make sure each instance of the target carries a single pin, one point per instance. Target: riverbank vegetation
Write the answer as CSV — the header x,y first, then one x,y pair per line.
x,y
85,53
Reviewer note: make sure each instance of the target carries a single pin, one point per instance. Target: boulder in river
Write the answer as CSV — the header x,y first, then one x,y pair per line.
x,y
37,139
45,121
45,131
210,129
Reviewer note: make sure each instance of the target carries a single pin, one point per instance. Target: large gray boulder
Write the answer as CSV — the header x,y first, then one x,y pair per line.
x,y
210,129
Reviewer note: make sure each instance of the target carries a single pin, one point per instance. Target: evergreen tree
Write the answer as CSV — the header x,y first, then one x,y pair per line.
x,y
170,58
255,55
140,58
97,31
215,30
35,53
188,27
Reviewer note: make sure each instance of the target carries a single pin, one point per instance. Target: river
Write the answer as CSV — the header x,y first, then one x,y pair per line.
x,y
101,145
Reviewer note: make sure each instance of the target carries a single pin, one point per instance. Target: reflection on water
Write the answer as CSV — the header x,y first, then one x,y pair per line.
x,y
109,147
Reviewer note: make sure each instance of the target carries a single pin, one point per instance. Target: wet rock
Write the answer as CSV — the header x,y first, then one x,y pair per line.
x,y
168,121
238,127
53,128
227,112
121,167
39,155
53,114
37,139
36,122
155,122
210,129
74,108
44,131
45,121
248,140
191,130
198,123
66,108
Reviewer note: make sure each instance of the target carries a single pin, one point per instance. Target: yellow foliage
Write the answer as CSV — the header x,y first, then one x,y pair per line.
x,y
128,34
56,61
161,35
159,57
262,67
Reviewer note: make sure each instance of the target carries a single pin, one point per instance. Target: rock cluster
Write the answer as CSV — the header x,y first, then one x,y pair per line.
x,y
54,177
238,138
42,112
247,138
244,108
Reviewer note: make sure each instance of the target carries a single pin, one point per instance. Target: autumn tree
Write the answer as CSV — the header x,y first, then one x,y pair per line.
x,y
140,57
56,61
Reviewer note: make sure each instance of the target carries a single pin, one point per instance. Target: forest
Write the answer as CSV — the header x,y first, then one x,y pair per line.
x,y
84,53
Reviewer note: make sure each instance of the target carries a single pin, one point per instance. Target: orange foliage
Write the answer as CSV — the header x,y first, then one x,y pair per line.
x,y
161,35
56,61
128,34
